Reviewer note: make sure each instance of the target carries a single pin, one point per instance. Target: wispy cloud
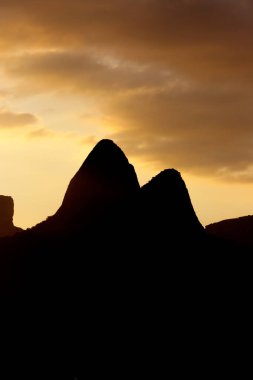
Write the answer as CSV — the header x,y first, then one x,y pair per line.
x,y
40,133
84,72
10,119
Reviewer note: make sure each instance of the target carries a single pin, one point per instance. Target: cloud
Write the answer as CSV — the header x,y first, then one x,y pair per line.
x,y
203,132
196,36
10,119
209,40
40,133
83,72
158,114
174,77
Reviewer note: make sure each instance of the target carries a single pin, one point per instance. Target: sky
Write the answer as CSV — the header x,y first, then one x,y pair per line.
x,y
169,81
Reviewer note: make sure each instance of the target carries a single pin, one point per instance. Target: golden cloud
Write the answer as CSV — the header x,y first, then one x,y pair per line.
x,y
198,131
10,119
83,72
41,132
175,75
212,35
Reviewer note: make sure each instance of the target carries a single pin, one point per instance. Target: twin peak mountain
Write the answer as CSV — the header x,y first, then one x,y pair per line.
x,y
105,195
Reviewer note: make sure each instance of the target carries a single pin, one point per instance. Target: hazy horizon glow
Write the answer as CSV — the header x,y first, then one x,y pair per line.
x,y
170,81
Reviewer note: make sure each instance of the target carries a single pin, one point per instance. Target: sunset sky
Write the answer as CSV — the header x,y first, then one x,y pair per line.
x,y
170,81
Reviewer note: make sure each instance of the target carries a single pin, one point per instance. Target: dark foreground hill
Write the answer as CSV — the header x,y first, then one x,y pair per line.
x,y
238,230
116,273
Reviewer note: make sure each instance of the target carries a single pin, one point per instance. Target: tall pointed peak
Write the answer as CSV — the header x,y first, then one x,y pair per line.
x,y
106,144
104,154
105,176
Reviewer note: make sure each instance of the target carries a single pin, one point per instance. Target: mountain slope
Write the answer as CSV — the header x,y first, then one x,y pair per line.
x,y
239,230
166,208
104,181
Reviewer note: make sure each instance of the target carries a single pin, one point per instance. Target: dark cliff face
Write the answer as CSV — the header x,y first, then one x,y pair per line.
x,y
7,227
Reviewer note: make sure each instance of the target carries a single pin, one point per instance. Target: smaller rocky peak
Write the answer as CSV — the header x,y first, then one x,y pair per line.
x,y
167,195
7,227
167,178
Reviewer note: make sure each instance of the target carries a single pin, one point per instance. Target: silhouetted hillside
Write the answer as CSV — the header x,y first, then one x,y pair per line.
x,y
239,230
7,227
116,263
105,217
104,181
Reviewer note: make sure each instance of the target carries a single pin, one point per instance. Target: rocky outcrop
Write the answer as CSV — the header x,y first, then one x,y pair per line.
x,y
7,227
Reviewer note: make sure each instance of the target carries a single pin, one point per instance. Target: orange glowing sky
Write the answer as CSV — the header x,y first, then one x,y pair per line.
x,y
170,81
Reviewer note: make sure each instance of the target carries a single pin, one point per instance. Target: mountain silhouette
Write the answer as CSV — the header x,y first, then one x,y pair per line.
x,y
7,227
239,230
165,200
105,210
117,263
102,183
